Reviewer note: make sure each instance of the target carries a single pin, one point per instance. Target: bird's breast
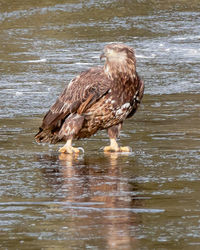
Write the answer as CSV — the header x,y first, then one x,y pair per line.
x,y
107,112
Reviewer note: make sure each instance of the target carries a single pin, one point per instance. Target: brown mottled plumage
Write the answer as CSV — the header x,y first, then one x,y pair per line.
x,y
99,98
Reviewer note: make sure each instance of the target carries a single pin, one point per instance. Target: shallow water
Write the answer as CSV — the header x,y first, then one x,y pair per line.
x,y
148,199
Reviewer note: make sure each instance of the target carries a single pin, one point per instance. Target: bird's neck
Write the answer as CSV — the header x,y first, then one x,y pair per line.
x,y
120,70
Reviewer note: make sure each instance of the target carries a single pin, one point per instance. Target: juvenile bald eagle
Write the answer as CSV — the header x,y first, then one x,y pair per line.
x,y
99,98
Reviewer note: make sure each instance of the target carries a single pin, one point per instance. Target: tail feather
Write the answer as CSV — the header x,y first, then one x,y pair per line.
x,y
44,136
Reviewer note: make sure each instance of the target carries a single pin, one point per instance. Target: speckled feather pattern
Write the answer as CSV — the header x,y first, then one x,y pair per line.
x,y
98,98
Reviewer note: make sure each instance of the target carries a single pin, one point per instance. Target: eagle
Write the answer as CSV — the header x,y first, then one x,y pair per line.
x,y
99,98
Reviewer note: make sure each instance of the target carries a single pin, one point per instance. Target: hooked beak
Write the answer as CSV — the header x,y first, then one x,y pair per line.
x,y
102,56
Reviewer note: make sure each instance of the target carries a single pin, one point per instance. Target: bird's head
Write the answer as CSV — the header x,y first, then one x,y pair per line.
x,y
117,52
119,60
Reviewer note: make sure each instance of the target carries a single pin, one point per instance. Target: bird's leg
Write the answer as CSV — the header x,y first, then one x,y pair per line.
x,y
113,133
68,149
69,130
113,146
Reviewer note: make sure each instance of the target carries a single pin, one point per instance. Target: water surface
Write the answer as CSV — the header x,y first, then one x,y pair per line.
x,y
148,199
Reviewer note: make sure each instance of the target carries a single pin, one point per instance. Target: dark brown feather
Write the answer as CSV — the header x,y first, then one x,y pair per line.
x,y
99,98
81,93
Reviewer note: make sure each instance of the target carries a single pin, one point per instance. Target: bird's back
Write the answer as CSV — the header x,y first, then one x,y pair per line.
x,y
81,93
98,98
119,103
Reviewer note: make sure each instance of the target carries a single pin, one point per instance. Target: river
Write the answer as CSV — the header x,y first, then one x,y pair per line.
x,y
148,199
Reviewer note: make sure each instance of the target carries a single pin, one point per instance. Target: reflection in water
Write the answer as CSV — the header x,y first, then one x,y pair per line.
x,y
94,201
102,190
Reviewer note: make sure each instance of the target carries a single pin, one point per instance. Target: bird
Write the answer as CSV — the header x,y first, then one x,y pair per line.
x,y
100,98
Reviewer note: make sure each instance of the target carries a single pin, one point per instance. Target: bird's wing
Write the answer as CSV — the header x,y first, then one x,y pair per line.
x,y
138,95
81,93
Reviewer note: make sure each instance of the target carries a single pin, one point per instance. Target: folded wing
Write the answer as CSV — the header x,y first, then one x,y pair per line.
x,y
81,93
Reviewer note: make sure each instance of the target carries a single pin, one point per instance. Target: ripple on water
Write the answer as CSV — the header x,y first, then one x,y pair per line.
x,y
116,201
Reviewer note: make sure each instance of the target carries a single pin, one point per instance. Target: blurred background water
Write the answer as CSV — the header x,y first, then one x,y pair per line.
x,y
145,200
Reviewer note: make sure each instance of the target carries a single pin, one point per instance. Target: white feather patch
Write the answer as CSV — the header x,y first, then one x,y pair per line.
x,y
108,100
119,112
125,105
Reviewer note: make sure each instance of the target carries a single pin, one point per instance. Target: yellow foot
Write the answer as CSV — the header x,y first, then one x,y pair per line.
x,y
117,149
125,149
69,150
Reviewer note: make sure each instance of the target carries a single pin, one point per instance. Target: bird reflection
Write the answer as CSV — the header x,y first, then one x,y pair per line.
x,y
98,182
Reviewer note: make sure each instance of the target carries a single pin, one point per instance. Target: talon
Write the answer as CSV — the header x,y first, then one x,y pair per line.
x,y
62,150
125,149
69,150
75,150
117,149
111,149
